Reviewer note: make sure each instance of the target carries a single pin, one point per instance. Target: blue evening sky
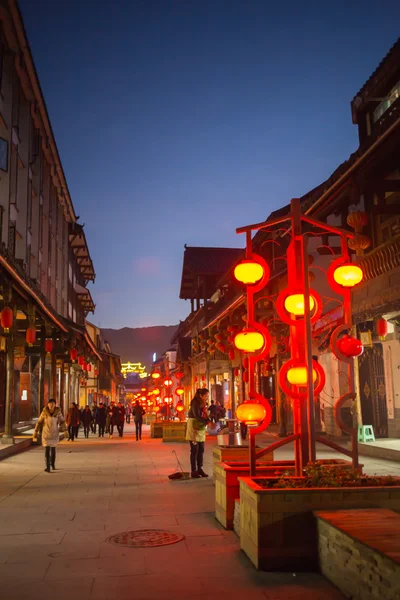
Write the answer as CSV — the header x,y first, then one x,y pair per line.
x,y
179,120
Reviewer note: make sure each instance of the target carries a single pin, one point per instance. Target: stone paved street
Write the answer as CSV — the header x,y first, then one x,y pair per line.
x,y
53,529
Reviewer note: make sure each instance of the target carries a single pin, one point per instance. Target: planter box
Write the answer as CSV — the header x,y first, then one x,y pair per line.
x,y
235,453
174,431
149,419
277,527
156,429
227,487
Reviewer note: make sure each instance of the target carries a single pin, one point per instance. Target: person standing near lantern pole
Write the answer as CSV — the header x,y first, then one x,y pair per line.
x,y
196,431
138,412
50,423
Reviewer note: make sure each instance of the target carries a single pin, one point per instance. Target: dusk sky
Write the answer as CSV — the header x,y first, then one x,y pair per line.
x,y
179,120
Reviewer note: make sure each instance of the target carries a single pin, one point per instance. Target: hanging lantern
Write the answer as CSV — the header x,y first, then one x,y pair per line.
x,y
359,242
168,383
96,372
357,219
299,376
73,354
245,377
48,345
179,391
348,275
251,413
179,408
295,304
30,336
179,375
382,328
156,375
156,391
249,340
249,272
156,409
236,372
350,346
7,318
81,361
168,399
85,366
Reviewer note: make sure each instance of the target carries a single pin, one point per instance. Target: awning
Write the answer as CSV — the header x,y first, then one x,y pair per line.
x,y
80,248
85,298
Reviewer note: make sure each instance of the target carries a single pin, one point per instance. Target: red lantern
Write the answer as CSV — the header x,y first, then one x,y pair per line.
x,y
179,391
382,328
180,408
251,413
85,366
156,409
350,347
81,361
179,375
7,318
48,345
73,354
89,367
168,383
236,372
31,336
96,372
245,377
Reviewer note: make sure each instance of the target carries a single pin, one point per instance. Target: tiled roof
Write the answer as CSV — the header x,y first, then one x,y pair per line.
x,y
206,262
388,66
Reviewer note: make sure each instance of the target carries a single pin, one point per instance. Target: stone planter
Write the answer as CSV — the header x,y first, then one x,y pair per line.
x,y
174,431
227,487
235,453
148,419
277,527
156,429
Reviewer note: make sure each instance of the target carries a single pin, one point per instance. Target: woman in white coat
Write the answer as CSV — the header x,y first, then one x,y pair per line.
x,y
51,422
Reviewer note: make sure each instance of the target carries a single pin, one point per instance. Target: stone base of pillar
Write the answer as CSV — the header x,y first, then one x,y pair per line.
x,y
6,440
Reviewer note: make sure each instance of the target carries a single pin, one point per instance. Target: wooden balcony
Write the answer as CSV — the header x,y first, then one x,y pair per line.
x,y
382,260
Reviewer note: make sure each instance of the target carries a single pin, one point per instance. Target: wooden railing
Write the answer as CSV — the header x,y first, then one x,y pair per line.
x,y
383,259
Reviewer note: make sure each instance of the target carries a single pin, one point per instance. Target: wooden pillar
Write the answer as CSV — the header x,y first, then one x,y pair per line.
x,y
62,386
8,433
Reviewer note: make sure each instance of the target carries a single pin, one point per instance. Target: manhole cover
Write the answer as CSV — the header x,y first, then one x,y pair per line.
x,y
145,538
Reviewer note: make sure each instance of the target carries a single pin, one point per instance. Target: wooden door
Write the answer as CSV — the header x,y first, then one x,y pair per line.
x,y
373,390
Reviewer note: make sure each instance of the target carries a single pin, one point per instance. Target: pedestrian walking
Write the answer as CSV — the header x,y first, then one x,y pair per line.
x,y
86,420
120,419
213,412
196,432
93,423
111,419
50,423
128,414
101,418
73,421
138,412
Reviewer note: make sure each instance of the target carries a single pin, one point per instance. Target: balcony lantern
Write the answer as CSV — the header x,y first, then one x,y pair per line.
x,y
168,383
7,318
348,275
249,272
299,376
179,391
31,336
350,346
48,345
249,340
73,354
295,304
251,413
382,328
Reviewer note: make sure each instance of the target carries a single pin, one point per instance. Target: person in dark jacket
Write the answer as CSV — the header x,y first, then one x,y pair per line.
x,y
86,420
213,412
101,418
120,418
94,410
112,418
196,431
73,421
138,412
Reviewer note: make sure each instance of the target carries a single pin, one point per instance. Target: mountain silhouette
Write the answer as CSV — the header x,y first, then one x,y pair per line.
x,y
139,344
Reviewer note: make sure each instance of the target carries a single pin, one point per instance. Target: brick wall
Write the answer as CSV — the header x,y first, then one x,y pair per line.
x,y
359,572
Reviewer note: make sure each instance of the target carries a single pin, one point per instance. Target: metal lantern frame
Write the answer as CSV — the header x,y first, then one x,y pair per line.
x,y
300,227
